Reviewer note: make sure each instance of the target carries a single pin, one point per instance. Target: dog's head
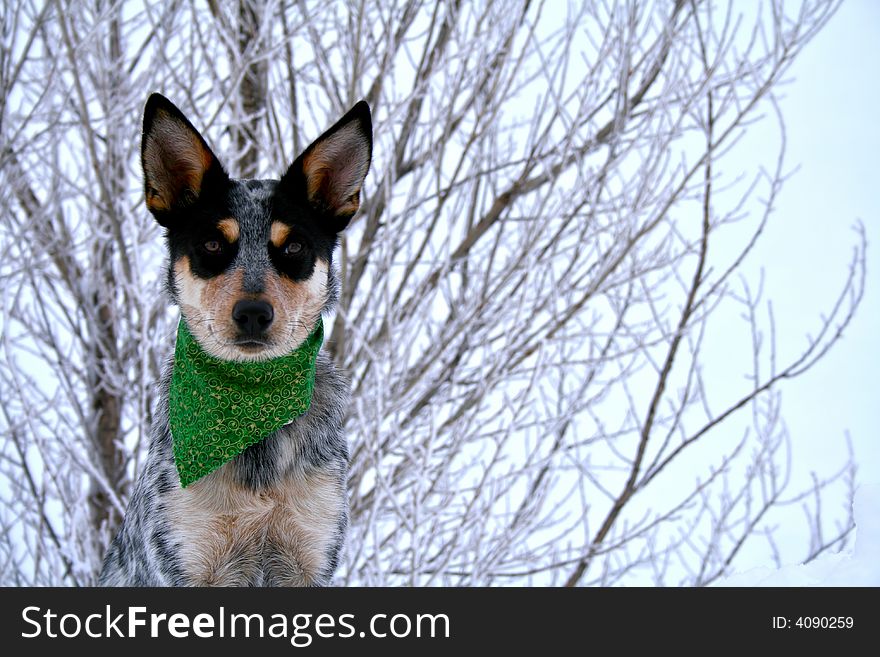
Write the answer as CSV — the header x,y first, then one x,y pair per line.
x,y
250,260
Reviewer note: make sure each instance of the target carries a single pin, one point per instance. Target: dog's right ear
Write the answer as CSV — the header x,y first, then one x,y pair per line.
x,y
177,162
331,172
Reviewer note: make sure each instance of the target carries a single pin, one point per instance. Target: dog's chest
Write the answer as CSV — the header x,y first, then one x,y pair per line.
x,y
231,535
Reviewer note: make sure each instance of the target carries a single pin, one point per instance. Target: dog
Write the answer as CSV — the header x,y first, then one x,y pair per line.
x,y
250,264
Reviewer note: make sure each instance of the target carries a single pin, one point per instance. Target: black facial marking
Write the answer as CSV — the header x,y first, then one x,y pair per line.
x,y
190,231
255,205
306,229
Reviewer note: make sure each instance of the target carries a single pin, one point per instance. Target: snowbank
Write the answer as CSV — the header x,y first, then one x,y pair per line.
x,y
859,566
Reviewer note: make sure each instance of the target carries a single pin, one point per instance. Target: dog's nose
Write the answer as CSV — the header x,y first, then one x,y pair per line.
x,y
252,317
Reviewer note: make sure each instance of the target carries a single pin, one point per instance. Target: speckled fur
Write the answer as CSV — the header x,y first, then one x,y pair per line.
x,y
276,515
151,546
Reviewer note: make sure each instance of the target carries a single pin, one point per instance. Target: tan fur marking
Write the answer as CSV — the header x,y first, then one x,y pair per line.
x,y
189,287
224,528
315,166
229,228
175,160
335,170
304,525
207,306
279,234
351,205
155,201
297,304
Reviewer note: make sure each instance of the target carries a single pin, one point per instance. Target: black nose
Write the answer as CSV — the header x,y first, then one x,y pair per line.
x,y
252,317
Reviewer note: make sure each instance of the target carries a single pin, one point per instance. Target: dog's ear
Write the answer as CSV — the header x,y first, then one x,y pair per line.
x,y
331,172
177,162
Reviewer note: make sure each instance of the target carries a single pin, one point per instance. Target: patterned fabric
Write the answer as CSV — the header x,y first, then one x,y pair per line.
x,y
218,408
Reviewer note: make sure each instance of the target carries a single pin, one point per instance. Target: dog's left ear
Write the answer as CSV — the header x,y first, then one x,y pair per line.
x,y
331,172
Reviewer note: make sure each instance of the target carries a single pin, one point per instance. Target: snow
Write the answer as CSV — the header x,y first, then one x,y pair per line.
x,y
859,566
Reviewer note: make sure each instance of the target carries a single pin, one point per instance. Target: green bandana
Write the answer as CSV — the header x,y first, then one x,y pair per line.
x,y
219,408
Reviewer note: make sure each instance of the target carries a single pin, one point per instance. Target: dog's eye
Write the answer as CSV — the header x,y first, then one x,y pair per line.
x,y
292,248
213,246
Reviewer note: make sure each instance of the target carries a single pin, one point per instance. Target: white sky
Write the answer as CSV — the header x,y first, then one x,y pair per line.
x,y
830,113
